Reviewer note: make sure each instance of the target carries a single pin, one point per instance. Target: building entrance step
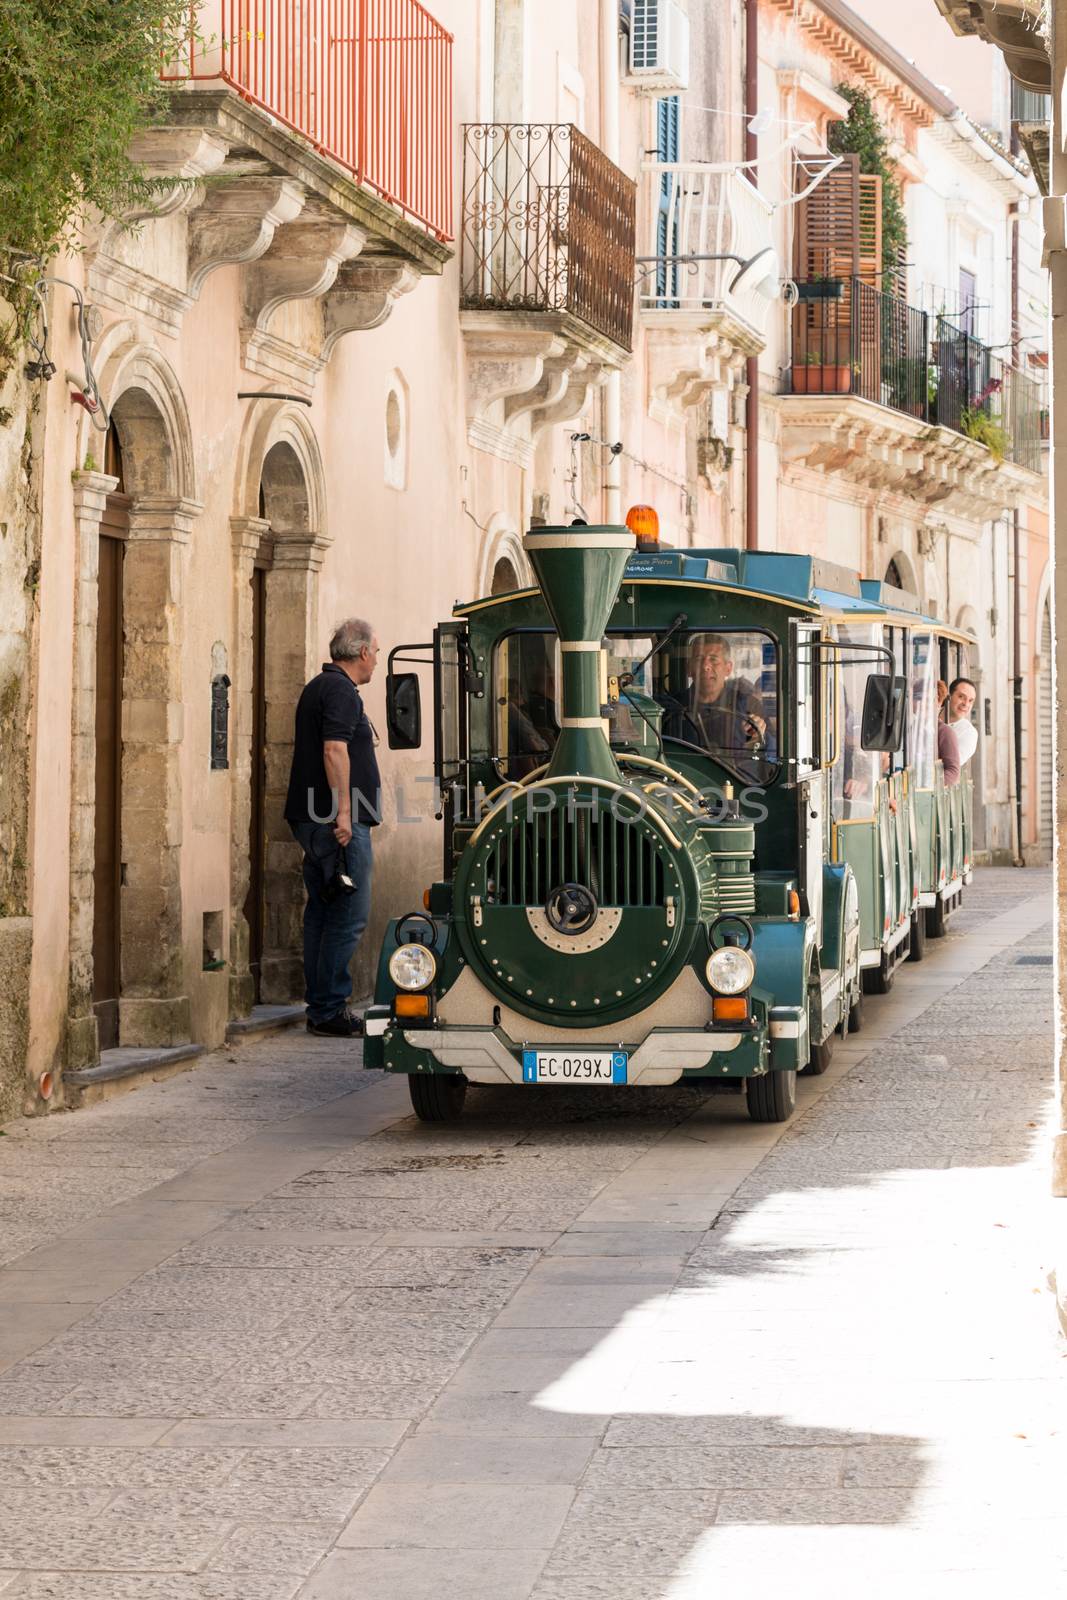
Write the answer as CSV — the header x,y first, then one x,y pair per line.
x,y
126,1067
263,1019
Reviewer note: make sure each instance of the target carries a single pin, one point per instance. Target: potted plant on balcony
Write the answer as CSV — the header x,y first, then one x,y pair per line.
x,y
818,375
822,288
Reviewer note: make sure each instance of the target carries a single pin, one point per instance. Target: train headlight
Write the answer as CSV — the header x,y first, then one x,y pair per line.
x,y
412,966
730,970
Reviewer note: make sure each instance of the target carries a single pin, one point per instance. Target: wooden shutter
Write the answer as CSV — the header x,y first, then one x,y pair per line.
x,y
870,229
828,224
839,225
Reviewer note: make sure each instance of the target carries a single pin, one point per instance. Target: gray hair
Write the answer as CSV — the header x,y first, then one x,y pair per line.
x,y
349,638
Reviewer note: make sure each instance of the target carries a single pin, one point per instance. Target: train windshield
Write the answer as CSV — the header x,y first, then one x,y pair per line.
x,y
706,692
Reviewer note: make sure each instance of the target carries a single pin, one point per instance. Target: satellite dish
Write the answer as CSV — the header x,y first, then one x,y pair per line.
x,y
760,273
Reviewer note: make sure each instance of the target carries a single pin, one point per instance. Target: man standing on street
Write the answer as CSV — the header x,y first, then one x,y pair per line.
x,y
334,800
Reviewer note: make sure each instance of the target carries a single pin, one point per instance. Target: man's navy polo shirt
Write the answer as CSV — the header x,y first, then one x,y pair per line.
x,y
330,708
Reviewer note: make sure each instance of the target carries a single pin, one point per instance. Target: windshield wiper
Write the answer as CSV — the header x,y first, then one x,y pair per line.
x,y
626,678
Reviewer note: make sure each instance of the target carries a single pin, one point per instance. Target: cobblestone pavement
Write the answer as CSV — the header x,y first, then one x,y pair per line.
x,y
264,1336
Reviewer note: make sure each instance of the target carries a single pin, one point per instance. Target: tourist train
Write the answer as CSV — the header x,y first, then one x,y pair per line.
x,y
693,811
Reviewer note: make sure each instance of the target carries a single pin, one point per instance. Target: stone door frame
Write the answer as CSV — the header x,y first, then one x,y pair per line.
x,y
279,454
145,399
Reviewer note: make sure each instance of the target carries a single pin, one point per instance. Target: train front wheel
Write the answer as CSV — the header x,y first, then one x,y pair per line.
x,y
437,1096
772,1097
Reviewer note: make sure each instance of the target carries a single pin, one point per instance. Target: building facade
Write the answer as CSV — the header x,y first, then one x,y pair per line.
x,y
504,266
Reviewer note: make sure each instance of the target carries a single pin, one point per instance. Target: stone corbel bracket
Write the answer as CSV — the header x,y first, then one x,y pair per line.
x,y
584,374
691,353
364,294
302,263
237,221
181,157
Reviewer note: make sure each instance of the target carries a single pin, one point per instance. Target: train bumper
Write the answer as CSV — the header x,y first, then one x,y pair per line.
x,y
488,1055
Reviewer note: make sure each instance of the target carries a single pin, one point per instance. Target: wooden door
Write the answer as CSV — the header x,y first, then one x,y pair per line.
x,y
255,901
107,866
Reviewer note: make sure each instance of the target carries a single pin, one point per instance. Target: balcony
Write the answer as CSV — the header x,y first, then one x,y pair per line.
x,y
547,277
368,83
309,148
708,279
892,398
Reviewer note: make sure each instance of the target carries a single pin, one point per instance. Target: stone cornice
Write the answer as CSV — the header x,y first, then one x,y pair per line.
x,y
847,44
163,518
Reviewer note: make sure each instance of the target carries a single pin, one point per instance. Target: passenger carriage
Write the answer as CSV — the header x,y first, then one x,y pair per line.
x,y
680,828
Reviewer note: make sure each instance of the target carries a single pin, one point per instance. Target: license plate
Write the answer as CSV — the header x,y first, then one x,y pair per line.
x,y
574,1066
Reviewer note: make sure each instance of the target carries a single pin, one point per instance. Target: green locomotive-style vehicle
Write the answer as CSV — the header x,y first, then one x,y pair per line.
x,y
692,811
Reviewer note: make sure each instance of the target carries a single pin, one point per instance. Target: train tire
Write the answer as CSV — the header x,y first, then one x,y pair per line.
x,y
917,948
437,1096
879,980
855,1011
936,919
773,1097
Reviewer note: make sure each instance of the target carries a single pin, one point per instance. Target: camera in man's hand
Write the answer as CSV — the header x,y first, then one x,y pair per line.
x,y
341,882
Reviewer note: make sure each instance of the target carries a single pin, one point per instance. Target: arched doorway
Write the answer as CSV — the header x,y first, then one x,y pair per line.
x,y
107,775
505,579
278,551
278,671
127,979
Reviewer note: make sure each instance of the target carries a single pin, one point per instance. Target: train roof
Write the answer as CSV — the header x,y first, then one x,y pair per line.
x,y
807,582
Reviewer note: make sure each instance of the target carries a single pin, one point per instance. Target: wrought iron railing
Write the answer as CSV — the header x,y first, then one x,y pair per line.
x,y
699,214
850,338
986,398
548,225
366,82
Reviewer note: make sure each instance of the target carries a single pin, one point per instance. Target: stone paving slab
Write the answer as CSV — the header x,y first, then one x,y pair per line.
x,y
633,1346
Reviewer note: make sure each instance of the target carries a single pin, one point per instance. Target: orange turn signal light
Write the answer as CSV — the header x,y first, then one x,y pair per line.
x,y
794,904
426,899
643,522
412,1005
732,1009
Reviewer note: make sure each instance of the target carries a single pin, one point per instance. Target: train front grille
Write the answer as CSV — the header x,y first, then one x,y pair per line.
x,y
619,860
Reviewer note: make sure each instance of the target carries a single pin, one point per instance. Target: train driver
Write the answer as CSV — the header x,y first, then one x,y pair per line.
x,y
722,712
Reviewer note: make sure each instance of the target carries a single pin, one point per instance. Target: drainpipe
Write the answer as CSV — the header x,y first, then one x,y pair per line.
x,y
752,363
1016,599
609,143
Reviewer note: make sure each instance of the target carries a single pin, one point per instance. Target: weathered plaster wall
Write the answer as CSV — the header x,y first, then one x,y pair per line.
x,y
19,573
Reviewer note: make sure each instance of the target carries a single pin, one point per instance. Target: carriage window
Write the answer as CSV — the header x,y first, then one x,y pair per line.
x,y
922,708
857,771
712,692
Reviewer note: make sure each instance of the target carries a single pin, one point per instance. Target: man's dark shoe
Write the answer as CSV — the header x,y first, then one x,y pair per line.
x,y
344,1025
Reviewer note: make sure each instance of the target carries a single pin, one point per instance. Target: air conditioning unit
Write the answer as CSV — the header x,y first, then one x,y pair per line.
x,y
659,46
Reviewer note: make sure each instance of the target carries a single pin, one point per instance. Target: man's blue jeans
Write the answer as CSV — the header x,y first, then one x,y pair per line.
x,y
332,928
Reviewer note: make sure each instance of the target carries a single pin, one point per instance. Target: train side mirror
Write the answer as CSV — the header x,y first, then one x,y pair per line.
x,y
403,710
884,705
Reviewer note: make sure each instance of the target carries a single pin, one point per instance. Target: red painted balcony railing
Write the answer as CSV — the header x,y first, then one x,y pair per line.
x,y
366,82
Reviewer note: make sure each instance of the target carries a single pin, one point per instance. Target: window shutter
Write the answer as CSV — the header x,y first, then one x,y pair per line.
x,y
828,224
667,140
869,229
